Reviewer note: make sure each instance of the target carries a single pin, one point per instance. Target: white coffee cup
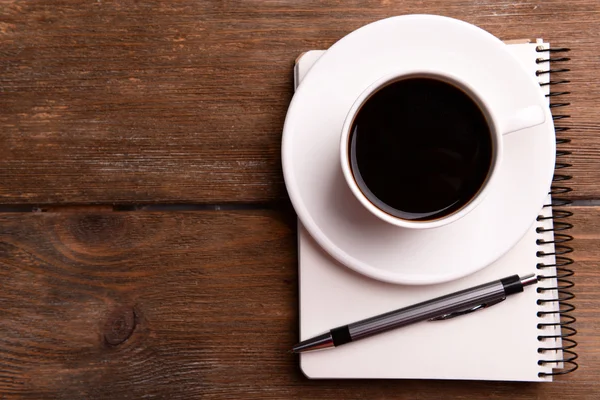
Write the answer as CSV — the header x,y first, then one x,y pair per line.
x,y
498,124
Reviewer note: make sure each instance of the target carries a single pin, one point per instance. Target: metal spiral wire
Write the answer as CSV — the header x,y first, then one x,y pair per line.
x,y
564,330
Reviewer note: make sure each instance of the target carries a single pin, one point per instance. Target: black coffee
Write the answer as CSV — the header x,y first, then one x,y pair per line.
x,y
420,149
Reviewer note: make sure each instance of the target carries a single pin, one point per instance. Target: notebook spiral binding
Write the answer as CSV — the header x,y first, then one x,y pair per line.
x,y
562,329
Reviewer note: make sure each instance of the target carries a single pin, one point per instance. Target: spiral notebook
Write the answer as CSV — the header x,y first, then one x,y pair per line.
x,y
529,338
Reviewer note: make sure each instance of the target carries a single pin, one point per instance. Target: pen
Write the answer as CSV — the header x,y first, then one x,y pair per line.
x,y
441,308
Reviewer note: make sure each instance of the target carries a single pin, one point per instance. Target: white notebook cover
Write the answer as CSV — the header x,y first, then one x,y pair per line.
x,y
499,343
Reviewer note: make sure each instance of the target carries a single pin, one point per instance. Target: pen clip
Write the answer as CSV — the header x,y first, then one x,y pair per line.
x,y
466,311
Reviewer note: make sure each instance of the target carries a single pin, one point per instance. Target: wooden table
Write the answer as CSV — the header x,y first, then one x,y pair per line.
x,y
147,246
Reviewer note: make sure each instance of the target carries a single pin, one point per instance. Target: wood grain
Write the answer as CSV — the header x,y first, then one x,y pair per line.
x,y
184,101
182,305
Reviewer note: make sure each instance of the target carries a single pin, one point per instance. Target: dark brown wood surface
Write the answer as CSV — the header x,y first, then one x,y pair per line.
x,y
106,103
99,305
184,101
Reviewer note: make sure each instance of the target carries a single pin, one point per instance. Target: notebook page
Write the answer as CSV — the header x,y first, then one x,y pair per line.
x,y
497,344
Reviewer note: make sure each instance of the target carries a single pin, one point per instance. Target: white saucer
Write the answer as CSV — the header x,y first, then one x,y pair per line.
x,y
339,223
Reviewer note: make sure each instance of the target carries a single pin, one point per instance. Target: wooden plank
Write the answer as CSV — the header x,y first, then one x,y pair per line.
x,y
108,305
184,101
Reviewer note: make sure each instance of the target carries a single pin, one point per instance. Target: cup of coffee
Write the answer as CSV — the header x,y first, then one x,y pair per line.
x,y
422,150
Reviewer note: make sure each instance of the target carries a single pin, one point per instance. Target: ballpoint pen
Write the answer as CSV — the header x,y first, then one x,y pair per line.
x,y
441,308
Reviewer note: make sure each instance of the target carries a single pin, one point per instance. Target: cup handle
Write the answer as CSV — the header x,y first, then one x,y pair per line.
x,y
524,118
